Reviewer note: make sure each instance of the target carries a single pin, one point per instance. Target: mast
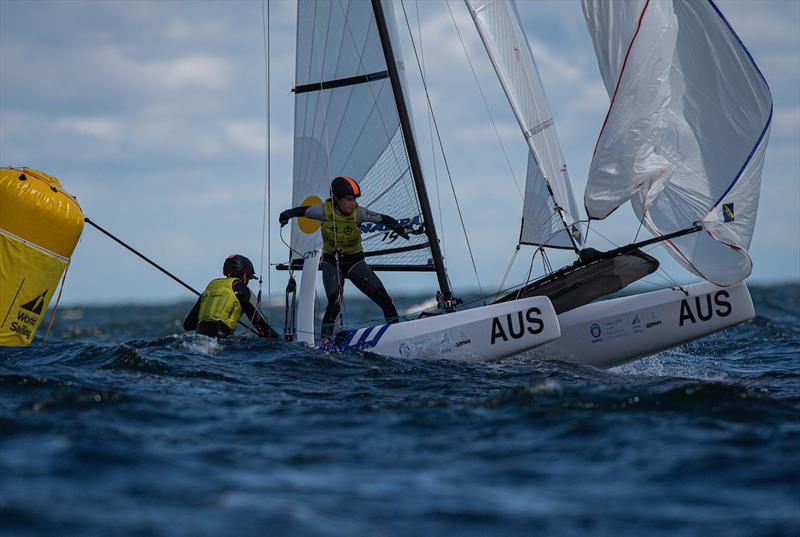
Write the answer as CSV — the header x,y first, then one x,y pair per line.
x,y
413,157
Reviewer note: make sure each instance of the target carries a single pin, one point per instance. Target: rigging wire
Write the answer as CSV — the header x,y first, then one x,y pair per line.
x,y
508,270
339,275
483,98
441,146
666,276
389,137
430,132
266,227
641,223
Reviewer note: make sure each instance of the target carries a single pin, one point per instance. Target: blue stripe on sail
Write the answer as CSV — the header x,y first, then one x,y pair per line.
x,y
713,5
769,119
746,162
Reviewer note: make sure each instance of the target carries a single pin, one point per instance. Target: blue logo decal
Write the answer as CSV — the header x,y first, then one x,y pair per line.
x,y
362,343
727,212
595,330
369,227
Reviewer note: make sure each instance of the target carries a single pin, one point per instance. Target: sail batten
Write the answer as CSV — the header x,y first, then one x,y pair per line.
x,y
550,212
341,82
686,131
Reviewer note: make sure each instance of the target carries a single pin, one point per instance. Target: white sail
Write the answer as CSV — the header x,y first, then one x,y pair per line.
x,y
501,31
346,123
686,130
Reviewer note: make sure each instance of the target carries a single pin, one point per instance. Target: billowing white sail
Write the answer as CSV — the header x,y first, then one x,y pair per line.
x,y
543,224
686,130
346,123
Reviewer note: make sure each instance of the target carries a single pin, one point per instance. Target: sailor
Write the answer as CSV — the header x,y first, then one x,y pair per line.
x,y
218,310
342,253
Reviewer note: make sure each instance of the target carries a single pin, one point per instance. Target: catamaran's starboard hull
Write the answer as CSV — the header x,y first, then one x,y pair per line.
x,y
480,334
620,330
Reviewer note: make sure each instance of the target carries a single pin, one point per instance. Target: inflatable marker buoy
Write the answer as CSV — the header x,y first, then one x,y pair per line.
x,y
40,225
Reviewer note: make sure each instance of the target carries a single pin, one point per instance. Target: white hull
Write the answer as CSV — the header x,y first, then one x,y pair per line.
x,y
601,334
479,334
620,330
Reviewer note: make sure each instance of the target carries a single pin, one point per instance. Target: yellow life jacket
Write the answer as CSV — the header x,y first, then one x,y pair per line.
x,y
219,303
340,233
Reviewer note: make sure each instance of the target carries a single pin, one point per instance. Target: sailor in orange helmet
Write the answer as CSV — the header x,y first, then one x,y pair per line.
x,y
342,253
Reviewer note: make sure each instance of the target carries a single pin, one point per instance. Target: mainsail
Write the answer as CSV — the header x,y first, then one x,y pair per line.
x,y
550,212
686,131
346,123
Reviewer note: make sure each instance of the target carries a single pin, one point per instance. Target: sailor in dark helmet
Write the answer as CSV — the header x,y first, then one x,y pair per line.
x,y
342,253
218,310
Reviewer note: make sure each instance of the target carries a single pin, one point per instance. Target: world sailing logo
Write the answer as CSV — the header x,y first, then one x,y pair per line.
x,y
727,212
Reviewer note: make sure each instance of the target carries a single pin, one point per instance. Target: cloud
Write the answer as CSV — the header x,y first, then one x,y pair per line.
x,y
786,122
559,70
771,24
196,72
153,113
103,128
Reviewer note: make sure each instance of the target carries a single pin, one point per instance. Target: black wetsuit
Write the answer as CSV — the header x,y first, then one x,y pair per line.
x,y
337,267
354,268
220,329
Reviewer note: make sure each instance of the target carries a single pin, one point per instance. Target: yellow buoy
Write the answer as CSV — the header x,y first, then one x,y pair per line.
x,y
40,225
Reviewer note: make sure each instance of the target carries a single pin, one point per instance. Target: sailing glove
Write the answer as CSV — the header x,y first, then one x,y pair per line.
x,y
291,213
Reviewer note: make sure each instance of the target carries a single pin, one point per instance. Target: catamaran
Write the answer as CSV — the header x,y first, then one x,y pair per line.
x,y
683,140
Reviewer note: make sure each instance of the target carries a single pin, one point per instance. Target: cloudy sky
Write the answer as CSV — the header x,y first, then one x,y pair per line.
x,y
153,114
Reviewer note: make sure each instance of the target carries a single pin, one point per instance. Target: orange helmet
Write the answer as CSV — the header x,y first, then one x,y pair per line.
x,y
345,186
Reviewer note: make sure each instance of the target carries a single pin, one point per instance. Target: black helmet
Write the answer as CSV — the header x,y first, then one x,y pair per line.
x,y
237,266
345,186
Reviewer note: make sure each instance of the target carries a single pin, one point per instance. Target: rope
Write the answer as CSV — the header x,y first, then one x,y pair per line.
x,y
153,263
444,155
389,136
342,311
667,277
641,223
485,102
55,307
508,270
266,227
546,265
530,269
433,144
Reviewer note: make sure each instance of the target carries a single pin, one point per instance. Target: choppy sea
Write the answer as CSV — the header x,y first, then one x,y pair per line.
x,y
123,425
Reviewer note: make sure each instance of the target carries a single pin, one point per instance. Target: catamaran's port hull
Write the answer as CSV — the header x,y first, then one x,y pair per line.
x,y
620,330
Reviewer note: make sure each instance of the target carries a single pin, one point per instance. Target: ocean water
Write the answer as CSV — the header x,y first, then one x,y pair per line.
x,y
123,425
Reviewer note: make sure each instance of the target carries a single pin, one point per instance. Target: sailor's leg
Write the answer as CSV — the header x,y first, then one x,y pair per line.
x,y
365,279
332,280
